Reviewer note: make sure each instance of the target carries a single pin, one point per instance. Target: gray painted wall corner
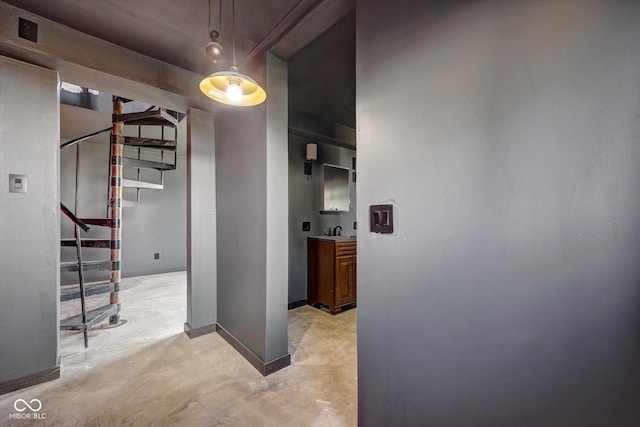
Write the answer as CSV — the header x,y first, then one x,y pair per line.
x,y
251,191
276,322
202,298
242,224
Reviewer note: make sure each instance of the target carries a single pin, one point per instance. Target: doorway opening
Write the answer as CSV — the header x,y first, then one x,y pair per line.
x,y
149,237
322,137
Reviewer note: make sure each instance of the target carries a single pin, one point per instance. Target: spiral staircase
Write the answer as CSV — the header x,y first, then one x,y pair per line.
x,y
126,153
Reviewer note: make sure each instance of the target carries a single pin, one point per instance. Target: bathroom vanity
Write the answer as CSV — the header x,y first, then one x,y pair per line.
x,y
331,271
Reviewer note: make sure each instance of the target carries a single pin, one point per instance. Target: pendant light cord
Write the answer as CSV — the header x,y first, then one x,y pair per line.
x,y
219,16
233,22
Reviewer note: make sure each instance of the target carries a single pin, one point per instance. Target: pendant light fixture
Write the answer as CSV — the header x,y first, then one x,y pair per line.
x,y
232,87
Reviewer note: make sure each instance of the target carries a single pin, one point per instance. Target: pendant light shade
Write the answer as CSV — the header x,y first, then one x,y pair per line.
x,y
232,87
213,49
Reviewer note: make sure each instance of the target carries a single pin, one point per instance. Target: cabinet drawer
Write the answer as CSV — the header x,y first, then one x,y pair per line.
x,y
345,248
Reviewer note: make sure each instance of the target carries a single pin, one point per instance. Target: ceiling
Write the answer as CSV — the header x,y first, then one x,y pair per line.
x,y
322,76
322,73
172,31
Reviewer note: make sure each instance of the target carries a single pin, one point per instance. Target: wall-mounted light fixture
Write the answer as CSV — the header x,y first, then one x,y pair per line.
x,y
232,87
312,154
312,151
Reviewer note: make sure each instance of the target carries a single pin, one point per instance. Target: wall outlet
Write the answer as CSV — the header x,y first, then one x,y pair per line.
x,y
156,255
306,226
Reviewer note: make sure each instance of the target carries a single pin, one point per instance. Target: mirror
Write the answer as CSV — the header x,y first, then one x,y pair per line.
x,y
335,189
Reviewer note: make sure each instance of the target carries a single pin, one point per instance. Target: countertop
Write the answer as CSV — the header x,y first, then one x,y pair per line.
x,y
335,238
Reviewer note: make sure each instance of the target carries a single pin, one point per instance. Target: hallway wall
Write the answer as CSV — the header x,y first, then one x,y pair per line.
x,y
202,297
29,232
251,197
507,135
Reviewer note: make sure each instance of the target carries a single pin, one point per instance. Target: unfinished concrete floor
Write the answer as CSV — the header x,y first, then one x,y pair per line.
x,y
148,372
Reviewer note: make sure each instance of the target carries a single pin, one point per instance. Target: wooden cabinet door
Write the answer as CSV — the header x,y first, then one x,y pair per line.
x,y
354,278
345,280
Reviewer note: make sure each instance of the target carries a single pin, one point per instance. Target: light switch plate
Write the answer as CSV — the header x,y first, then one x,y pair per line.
x,y
381,219
17,183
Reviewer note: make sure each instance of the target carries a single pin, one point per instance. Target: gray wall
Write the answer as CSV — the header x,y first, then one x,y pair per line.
x,y
201,251
304,199
242,223
250,161
157,224
509,293
29,232
276,324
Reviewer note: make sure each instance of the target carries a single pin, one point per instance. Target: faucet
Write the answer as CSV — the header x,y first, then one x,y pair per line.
x,y
337,232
